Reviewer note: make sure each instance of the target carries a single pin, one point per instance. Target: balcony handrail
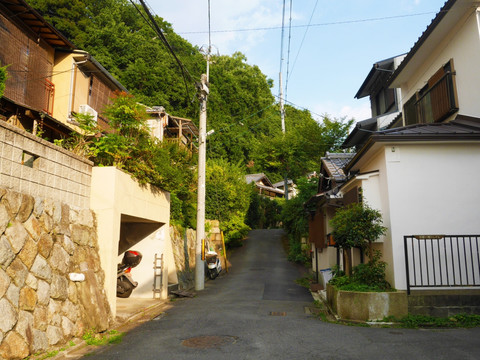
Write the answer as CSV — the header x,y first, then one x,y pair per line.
x,y
447,74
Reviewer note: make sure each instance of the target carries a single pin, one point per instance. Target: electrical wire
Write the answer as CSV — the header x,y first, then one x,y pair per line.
x,y
316,25
303,39
301,107
288,49
239,122
159,32
281,39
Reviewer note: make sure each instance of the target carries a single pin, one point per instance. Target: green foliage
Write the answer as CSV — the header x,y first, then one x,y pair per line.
x,y
227,193
305,281
372,273
3,79
424,321
129,146
336,271
365,277
241,109
227,198
299,150
264,213
295,218
357,225
111,337
235,231
296,251
294,215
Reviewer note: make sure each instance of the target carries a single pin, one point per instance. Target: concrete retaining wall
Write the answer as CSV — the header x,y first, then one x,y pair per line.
x,y
354,305
31,165
444,303
41,243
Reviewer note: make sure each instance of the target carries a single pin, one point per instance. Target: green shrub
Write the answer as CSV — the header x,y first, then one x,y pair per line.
x,y
235,231
296,252
372,274
365,277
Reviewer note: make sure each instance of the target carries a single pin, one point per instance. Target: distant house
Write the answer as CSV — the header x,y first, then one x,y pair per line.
x,y
420,170
171,128
264,186
49,80
292,188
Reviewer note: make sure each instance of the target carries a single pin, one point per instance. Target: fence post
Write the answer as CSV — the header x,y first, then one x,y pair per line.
x,y
406,264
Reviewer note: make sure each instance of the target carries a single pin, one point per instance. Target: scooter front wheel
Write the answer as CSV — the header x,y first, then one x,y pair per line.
x,y
212,274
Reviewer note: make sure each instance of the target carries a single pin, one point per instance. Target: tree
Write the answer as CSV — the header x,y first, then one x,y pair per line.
x,y
356,225
300,149
227,196
3,79
295,216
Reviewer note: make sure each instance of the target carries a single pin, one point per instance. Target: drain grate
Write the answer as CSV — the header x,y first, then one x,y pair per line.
x,y
278,313
209,342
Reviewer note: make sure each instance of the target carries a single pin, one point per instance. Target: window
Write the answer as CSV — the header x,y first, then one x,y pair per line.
x,y
435,101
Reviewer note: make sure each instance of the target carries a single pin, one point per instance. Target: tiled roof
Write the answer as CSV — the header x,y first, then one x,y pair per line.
x,y
460,126
335,162
257,177
463,128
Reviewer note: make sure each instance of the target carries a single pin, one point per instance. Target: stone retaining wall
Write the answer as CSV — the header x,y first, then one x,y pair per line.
x,y
183,245
41,243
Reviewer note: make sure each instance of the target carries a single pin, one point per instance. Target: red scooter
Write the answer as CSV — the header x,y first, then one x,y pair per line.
x,y
125,282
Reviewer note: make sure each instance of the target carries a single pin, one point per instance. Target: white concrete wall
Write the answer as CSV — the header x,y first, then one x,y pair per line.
x,y
433,189
463,46
115,193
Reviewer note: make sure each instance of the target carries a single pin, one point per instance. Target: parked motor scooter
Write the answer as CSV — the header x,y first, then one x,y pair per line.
x,y
214,267
125,282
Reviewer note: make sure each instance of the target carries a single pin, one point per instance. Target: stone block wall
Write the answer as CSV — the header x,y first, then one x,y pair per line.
x,y
34,166
43,242
183,246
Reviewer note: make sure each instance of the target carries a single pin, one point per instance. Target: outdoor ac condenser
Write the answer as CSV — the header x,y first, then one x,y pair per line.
x,y
87,109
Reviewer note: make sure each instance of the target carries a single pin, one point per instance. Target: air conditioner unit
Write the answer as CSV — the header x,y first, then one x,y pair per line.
x,y
87,109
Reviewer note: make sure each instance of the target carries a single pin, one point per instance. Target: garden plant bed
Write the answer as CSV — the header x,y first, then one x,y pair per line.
x,y
364,306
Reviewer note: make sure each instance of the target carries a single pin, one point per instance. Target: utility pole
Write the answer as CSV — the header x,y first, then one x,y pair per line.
x,y
203,91
282,102
282,106
202,88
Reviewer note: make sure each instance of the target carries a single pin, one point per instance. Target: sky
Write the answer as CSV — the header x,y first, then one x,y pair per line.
x,y
329,51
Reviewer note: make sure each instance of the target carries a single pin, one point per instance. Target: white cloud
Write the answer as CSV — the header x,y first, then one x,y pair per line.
x,y
190,17
360,110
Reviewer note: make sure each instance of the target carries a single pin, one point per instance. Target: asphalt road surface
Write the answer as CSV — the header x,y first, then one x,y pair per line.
x,y
257,311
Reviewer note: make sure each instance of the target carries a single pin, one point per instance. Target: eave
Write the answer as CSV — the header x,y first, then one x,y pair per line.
x,y
21,12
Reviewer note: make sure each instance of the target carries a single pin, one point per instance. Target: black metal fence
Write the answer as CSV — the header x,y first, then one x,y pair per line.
x,y
435,261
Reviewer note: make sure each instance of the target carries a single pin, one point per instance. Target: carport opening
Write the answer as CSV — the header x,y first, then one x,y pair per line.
x,y
133,230
148,237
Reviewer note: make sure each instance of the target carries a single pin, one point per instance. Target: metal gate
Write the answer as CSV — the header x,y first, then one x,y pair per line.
x,y
436,261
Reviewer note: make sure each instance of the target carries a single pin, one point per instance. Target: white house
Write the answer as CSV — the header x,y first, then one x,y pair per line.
x,y
421,170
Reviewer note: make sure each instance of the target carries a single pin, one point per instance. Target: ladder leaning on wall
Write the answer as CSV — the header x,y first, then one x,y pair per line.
x,y
157,276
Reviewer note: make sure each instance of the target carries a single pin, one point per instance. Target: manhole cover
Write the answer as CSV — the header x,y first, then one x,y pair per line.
x,y
278,313
209,342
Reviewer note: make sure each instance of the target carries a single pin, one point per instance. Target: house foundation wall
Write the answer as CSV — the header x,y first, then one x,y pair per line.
x,y
444,303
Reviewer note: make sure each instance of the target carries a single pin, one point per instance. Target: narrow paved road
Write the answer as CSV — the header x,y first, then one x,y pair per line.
x,y
257,312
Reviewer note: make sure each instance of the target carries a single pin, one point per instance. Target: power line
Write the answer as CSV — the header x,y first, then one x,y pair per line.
x,y
314,25
288,49
303,39
165,41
